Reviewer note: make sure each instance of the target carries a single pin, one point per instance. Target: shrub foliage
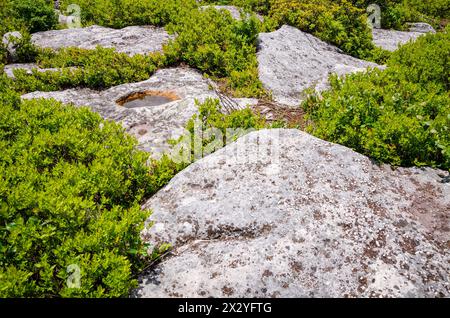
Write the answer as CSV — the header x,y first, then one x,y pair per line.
x,y
400,115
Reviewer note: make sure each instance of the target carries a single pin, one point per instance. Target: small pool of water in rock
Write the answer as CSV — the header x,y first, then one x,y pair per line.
x,y
147,99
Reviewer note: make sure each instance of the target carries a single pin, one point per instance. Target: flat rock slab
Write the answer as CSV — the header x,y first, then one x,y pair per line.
x,y
152,126
391,39
280,213
130,40
28,67
291,61
234,11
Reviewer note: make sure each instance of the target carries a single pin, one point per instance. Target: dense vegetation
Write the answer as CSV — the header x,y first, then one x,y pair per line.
x,y
29,15
396,13
400,115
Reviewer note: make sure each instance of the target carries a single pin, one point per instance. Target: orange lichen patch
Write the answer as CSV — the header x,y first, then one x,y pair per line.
x,y
141,95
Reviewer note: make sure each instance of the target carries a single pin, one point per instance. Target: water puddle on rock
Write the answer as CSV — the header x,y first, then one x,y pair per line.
x,y
147,99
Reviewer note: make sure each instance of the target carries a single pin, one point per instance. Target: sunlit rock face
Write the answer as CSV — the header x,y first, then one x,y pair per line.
x,y
130,40
152,125
291,61
280,213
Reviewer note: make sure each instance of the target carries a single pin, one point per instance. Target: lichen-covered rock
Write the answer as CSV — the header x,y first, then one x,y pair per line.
x,y
391,39
152,126
9,41
130,40
291,61
280,213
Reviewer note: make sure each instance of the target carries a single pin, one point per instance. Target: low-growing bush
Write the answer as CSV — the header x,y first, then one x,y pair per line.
x,y
35,15
400,115
122,13
213,42
336,22
259,6
213,128
70,191
100,68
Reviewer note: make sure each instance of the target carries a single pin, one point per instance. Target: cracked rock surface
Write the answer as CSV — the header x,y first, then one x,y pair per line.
x,y
291,61
280,213
152,126
130,40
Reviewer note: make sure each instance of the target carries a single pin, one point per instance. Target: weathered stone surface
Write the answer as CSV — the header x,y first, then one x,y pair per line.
x,y
8,41
130,40
234,11
291,61
152,126
28,67
391,39
296,216
421,27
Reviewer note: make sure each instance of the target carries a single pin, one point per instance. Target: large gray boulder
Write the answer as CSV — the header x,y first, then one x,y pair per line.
x,y
291,61
130,40
153,126
280,213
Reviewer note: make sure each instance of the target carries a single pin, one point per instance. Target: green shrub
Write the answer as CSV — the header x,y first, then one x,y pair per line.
x,y
36,15
213,42
71,187
70,191
260,6
100,68
395,13
400,115
213,128
122,13
25,16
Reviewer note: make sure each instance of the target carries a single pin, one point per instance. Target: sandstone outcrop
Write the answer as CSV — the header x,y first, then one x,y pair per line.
x,y
291,61
280,213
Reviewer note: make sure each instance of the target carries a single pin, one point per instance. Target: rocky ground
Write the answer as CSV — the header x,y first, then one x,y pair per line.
x,y
279,212
152,126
